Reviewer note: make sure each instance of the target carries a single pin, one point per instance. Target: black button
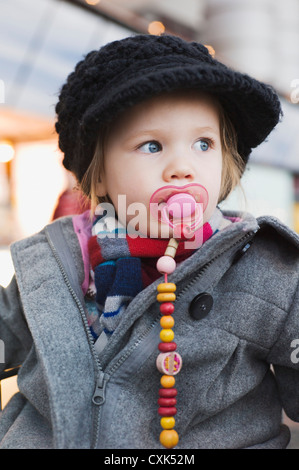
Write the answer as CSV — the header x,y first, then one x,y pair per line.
x,y
201,306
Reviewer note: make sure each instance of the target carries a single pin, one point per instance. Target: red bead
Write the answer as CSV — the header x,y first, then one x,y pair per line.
x,y
167,347
168,392
166,308
167,401
167,410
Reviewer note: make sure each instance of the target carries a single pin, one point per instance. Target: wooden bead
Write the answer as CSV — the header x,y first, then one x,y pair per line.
x,y
167,321
169,438
166,297
167,422
168,392
167,410
166,265
166,335
171,247
169,363
166,308
166,287
167,381
167,401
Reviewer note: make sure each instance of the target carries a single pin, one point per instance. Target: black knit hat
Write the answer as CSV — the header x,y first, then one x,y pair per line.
x,y
125,72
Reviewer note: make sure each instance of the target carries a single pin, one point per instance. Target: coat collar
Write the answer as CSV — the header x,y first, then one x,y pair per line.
x,y
280,229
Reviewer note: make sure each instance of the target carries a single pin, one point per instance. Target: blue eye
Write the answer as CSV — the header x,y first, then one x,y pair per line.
x,y
151,147
203,145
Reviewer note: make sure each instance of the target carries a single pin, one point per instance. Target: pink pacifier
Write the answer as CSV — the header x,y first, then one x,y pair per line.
x,y
181,207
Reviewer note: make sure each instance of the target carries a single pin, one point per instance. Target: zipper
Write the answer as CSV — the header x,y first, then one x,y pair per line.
x,y
99,393
98,398
123,358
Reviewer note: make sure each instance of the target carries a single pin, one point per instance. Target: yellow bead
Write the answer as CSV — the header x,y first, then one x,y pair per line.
x,y
166,287
166,297
167,422
166,335
167,321
167,381
169,438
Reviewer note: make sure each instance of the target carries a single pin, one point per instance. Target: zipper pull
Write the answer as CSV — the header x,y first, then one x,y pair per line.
x,y
99,393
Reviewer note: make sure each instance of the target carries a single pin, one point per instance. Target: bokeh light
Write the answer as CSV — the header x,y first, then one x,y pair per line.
x,y
156,28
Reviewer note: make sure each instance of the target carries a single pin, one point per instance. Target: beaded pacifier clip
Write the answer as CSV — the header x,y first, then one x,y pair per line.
x,y
169,362
182,209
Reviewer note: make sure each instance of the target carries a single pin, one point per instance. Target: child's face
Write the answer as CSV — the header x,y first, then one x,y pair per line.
x,y
167,140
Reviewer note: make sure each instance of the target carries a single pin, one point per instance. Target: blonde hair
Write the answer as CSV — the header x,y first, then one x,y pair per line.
x,y
232,168
233,165
94,171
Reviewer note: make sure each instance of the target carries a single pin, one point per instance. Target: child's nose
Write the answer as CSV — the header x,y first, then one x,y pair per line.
x,y
178,170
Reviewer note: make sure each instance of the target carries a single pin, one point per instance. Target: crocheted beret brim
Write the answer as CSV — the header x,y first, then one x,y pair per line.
x,y
252,113
252,106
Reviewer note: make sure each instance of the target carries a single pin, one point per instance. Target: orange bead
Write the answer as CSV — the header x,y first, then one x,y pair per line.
x,y
169,438
167,321
166,287
167,422
167,381
166,297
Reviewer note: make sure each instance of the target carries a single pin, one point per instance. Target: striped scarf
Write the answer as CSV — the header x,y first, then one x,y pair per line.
x,y
121,266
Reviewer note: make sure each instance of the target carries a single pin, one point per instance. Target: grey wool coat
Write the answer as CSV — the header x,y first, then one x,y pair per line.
x,y
240,366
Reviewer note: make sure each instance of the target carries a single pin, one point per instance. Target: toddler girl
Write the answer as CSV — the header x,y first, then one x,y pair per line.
x,y
157,133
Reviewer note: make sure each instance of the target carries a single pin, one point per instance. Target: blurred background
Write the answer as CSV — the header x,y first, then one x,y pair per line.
x,y
40,43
